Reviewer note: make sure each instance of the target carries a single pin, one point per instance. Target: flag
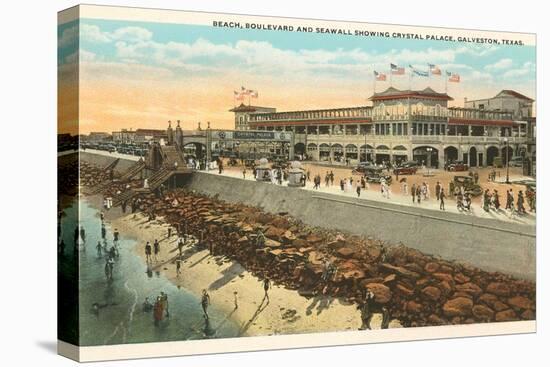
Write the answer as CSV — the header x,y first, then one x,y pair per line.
x,y
381,77
238,96
253,93
244,91
396,70
419,72
434,70
453,78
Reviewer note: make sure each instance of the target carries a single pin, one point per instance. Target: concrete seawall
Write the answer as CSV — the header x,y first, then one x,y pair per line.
x,y
492,245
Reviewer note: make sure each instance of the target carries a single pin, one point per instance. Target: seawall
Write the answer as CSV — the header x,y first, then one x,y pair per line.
x,y
492,245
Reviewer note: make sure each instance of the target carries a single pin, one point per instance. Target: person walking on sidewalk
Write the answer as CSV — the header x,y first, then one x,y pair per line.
x,y
442,199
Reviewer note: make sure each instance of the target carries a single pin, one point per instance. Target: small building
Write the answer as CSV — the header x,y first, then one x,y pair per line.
x,y
145,136
242,115
124,136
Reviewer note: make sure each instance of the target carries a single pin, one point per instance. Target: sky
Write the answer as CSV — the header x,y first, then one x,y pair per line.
x,y
140,75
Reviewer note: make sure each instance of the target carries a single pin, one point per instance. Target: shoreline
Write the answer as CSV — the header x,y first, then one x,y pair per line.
x,y
286,312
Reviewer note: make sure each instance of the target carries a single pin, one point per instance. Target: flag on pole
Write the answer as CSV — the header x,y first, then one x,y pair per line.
x,y
434,69
380,77
397,70
244,91
253,93
419,72
453,77
238,96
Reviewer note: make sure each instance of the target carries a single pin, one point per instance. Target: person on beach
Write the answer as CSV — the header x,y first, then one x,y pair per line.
x,y
178,267
358,190
116,235
244,173
83,234
147,252
101,216
147,306
385,318
366,310
267,285
413,192
235,300
180,246
164,301
156,249
205,302
158,312
103,231
99,249
437,190
169,234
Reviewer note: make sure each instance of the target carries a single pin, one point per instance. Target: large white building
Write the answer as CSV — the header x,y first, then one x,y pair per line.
x,y
405,125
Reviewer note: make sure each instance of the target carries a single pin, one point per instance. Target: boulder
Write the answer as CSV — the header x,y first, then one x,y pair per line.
x,y
346,252
520,302
413,307
382,294
445,287
500,306
444,277
460,306
436,320
469,288
499,289
400,271
431,267
431,293
483,313
461,278
507,315
404,290
528,315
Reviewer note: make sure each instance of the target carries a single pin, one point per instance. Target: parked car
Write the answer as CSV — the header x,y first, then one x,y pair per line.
x,y
457,166
470,187
406,168
362,167
376,175
516,162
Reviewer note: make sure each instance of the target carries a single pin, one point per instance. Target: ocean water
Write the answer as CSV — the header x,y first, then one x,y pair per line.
x,y
121,318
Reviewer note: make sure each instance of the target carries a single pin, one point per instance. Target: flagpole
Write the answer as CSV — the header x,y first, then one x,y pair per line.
x,y
391,77
446,79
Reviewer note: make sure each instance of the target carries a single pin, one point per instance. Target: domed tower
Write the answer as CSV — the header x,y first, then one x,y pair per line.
x,y
170,133
179,135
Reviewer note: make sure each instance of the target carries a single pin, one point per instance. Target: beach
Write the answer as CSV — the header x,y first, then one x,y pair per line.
x,y
286,311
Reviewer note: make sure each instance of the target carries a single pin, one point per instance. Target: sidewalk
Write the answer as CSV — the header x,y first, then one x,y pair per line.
x,y
374,194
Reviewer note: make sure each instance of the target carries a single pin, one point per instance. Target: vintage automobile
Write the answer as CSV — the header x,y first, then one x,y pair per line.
x,y
516,162
362,167
470,187
376,175
406,168
457,166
